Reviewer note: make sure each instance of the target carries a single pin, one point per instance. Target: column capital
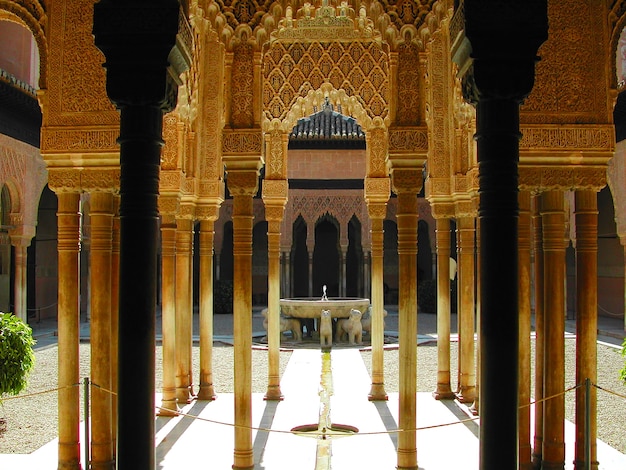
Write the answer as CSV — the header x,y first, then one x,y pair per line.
x,y
274,192
491,40
243,182
377,189
407,180
141,42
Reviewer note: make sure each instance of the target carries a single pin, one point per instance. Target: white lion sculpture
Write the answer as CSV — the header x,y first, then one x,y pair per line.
x,y
286,324
350,328
326,329
366,321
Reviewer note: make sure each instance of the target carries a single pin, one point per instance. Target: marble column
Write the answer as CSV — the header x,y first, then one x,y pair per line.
x,y
68,217
115,301
466,284
101,213
141,82
554,244
525,449
206,391
20,245
586,214
539,329
274,215
444,390
377,212
169,405
184,310
242,184
407,184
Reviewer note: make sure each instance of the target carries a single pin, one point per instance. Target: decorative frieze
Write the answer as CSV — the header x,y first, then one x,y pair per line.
x,y
563,178
583,138
79,140
408,140
242,142
85,179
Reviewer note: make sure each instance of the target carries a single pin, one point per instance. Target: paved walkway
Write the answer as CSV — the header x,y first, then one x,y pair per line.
x,y
206,437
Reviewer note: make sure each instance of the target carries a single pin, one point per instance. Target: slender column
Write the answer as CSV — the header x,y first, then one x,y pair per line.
x,y
539,330
343,273
140,85
169,405
274,216
20,245
407,184
206,391
444,389
586,321
115,301
184,314
101,214
68,325
377,213
243,185
476,405
467,370
525,449
553,215
498,148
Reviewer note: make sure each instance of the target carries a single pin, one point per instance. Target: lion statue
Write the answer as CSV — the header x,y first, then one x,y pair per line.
x,y
350,328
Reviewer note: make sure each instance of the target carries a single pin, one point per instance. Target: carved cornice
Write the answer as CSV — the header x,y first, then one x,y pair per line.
x,y
377,190
408,140
81,139
85,179
242,142
568,138
562,178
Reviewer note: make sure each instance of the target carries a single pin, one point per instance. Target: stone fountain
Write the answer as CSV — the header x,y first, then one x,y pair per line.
x,y
311,307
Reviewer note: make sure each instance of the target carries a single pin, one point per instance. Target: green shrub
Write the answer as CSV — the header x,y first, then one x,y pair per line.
x,y
16,354
223,297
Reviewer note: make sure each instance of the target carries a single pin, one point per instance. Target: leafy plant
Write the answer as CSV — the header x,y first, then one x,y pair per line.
x,y
16,354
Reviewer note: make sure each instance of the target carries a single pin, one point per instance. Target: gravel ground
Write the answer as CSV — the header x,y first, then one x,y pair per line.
x,y
32,421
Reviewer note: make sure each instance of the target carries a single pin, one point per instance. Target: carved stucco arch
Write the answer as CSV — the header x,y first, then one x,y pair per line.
x,y
32,17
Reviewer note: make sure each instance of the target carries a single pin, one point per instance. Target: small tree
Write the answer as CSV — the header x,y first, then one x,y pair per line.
x,y
16,354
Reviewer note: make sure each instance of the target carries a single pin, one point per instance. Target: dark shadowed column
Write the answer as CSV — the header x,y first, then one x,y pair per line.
x,y
138,39
496,51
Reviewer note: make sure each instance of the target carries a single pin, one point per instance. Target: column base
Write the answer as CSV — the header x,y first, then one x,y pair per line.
x,y
581,464
73,465
466,395
474,408
552,465
273,393
110,465
443,392
377,393
168,408
183,395
206,393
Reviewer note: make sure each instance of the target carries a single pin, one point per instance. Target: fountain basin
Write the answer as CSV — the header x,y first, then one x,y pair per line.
x,y
310,307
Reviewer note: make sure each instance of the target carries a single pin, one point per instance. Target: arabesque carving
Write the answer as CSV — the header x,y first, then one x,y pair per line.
x,y
242,142
562,178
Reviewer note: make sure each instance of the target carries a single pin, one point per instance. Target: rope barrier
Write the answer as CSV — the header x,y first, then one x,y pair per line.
x,y
43,392
312,433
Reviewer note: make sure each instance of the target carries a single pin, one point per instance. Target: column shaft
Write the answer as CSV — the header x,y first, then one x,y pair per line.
x,y
206,391
407,326
115,304
242,311
273,304
525,449
19,283
539,329
169,405
444,389
140,152
68,324
586,322
553,217
101,247
466,285
184,313
377,391
498,149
